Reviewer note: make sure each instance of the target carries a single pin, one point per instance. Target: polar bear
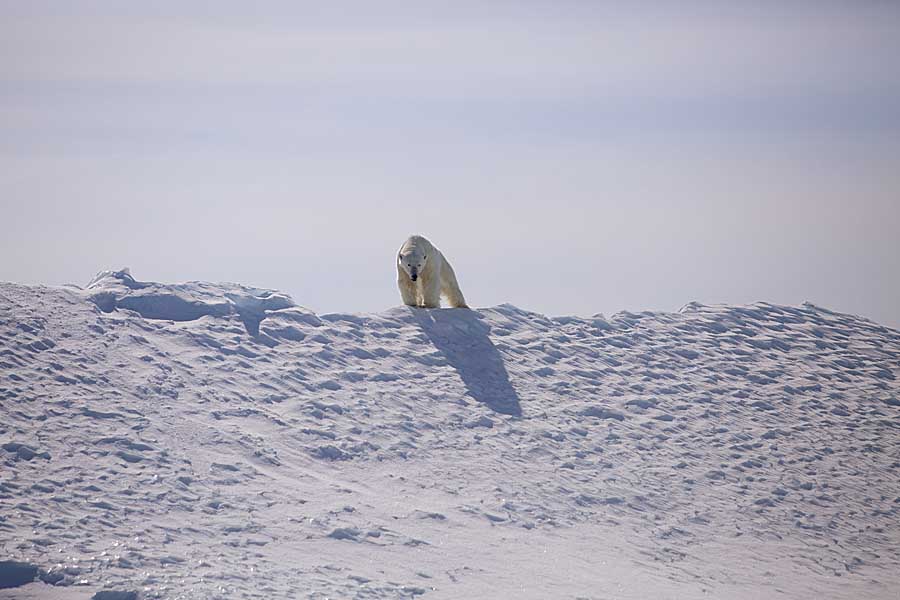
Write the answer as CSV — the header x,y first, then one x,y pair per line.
x,y
423,274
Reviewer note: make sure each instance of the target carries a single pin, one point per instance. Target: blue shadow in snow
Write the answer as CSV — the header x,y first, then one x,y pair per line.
x,y
464,339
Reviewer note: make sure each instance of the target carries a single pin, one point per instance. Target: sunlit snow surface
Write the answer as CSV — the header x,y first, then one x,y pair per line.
x,y
218,441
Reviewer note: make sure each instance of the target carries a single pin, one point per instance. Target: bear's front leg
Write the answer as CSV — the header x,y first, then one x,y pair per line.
x,y
407,288
431,292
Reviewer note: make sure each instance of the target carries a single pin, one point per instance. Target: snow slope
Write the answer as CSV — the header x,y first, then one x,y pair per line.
x,y
218,441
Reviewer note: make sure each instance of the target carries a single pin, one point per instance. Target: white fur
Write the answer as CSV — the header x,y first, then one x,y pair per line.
x,y
434,275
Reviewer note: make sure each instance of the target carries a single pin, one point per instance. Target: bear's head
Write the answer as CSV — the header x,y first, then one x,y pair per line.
x,y
412,260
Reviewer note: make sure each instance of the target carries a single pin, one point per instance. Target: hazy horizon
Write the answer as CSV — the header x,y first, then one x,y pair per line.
x,y
628,157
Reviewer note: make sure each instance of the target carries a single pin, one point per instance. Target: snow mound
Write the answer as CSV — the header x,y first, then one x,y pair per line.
x,y
218,441
112,290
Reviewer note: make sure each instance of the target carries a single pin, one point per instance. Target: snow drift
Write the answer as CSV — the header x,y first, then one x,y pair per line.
x,y
218,441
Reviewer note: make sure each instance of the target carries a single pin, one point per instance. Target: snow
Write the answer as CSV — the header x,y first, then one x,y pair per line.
x,y
218,441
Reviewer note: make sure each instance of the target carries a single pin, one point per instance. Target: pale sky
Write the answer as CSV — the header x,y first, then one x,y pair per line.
x,y
568,157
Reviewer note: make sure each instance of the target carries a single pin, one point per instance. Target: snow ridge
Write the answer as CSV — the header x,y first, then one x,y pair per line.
x,y
216,440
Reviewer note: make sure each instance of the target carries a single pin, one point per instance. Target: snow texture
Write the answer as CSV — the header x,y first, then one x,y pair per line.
x,y
218,441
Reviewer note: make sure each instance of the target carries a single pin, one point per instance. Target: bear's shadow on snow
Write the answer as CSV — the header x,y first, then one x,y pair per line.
x,y
464,339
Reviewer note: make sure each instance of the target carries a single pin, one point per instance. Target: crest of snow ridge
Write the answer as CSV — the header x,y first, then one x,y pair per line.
x,y
111,290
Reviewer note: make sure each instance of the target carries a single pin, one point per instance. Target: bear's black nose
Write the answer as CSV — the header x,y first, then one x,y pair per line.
x,y
413,277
